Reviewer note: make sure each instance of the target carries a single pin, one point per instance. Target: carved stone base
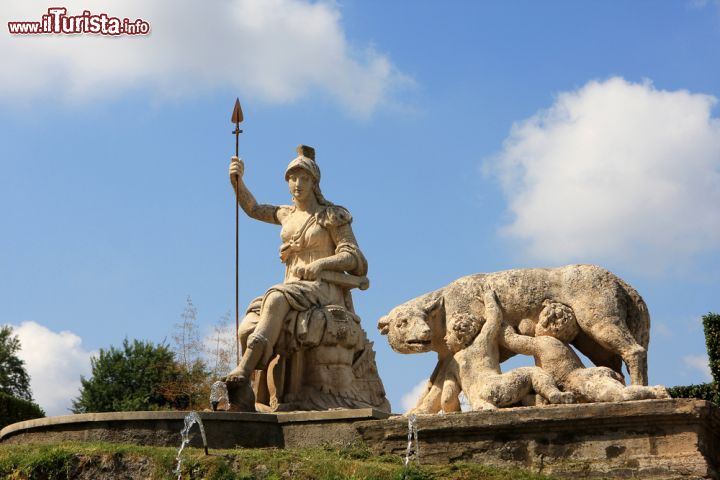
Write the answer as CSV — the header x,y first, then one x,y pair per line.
x,y
641,439
223,429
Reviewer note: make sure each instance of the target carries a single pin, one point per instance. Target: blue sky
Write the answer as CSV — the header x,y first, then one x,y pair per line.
x,y
463,136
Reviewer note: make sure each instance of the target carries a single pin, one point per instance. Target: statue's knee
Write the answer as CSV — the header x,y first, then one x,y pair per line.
x,y
247,327
274,298
243,339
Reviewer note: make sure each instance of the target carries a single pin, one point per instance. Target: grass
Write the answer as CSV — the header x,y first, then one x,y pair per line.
x,y
109,461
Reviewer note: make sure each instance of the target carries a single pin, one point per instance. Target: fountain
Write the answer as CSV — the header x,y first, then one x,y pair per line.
x,y
317,383
219,394
191,419
412,438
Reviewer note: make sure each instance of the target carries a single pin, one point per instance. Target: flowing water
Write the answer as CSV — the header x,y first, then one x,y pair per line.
x,y
218,394
191,419
410,452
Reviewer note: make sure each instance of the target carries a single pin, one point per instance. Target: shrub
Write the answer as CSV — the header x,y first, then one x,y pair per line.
x,y
14,410
703,391
711,324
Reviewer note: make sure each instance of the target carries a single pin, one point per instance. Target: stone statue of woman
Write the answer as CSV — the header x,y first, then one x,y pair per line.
x,y
303,334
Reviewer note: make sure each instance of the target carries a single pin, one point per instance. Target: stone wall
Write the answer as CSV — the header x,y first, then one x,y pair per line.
x,y
640,439
678,438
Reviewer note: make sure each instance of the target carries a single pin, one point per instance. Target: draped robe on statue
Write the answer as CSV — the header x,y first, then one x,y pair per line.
x,y
322,358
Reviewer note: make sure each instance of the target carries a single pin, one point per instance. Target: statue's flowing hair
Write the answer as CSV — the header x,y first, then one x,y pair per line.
x,y
319,196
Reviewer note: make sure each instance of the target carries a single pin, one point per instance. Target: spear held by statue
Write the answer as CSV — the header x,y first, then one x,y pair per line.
x,y
237,117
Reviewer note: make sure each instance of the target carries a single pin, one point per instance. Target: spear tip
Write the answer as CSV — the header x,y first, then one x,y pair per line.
x,y
237,115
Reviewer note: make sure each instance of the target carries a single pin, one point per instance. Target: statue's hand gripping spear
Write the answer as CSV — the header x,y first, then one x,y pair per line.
x,y
237,117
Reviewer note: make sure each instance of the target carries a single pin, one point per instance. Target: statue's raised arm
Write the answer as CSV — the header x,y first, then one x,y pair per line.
x,y
246,200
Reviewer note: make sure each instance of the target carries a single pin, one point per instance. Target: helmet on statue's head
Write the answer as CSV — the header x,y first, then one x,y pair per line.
x,y
304,161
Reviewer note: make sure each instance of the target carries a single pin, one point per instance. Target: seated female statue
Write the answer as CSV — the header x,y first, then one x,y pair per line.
x,y
322,262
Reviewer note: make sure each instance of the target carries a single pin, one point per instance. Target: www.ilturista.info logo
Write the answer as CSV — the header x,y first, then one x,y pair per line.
x,y
57,21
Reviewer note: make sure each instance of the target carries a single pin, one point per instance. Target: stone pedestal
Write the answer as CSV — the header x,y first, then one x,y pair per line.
x,y
659,439
675,438
223,429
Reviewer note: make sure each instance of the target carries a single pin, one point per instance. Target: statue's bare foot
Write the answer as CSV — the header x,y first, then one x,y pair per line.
x,y
240,394
232,376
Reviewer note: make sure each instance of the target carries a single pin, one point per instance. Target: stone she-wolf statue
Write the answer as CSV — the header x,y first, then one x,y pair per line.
x,y
478,321
303,345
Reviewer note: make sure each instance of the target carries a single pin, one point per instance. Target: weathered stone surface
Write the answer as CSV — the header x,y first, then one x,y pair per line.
x,y
477,321
223,429
638,439
666,439
147,428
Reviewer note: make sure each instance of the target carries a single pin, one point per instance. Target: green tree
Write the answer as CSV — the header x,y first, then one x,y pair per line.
x,y
13,409
14,379
129,378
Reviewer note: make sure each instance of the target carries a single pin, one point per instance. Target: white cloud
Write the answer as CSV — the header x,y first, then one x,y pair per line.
x,y
409,399
699,362
615,171
54,362
274,50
